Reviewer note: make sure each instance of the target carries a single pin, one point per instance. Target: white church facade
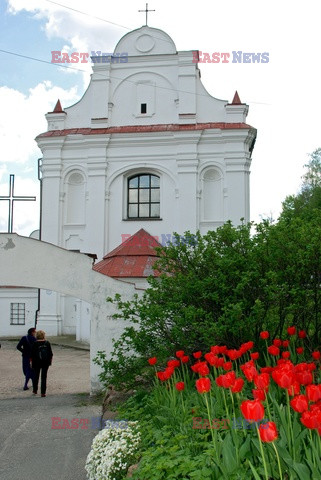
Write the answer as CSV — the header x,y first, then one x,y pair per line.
x,y
145,147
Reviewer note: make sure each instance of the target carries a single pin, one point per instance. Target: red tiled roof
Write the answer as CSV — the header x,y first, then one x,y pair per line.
x,y
133,258
170,127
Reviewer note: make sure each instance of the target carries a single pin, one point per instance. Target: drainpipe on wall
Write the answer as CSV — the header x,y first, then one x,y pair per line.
x,y
40,223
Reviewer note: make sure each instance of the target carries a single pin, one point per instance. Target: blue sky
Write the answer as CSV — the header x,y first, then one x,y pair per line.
x,y
283,94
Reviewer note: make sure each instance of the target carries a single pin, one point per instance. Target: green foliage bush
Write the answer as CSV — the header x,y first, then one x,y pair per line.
x,y
222,288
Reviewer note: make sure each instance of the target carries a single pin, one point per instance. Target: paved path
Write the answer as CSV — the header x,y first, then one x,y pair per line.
x,y
29,448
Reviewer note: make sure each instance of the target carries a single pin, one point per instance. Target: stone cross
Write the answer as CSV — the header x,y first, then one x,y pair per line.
x,y
11,198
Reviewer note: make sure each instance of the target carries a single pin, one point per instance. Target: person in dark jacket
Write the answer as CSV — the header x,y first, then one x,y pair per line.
x,y
41,358
25,346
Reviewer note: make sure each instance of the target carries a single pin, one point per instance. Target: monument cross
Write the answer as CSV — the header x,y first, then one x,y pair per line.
x,y
11,198
146,11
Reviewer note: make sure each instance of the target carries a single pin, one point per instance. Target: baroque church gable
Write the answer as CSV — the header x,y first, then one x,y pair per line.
x,y
145,147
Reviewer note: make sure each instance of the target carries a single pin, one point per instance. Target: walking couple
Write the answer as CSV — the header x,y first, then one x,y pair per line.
x,y
36,358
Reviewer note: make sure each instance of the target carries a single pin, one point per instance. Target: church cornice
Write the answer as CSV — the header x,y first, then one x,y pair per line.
x,y
174,127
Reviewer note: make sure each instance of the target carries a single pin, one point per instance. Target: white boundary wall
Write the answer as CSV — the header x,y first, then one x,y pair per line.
x,y
26,262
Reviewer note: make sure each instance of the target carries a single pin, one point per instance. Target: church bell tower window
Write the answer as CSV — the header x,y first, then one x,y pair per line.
x,y
143,196
143,108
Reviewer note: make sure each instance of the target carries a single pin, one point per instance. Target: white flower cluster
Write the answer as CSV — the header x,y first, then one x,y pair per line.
x,y
113,451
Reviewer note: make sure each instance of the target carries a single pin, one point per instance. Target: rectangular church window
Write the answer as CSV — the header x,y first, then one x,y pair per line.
x,y
143,108
143,196
17,314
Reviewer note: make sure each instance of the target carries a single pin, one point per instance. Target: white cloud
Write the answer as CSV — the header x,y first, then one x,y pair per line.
x,y
22,118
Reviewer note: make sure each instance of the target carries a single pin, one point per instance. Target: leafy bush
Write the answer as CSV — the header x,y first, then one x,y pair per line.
x,y
220,287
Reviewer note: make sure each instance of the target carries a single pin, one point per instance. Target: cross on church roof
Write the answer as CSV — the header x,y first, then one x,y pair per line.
x,y
146,11
12,198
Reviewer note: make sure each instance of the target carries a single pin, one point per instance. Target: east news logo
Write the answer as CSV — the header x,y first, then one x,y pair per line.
x,y
233,57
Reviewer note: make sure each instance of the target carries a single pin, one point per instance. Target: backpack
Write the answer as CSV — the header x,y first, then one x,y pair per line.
x,y
43,353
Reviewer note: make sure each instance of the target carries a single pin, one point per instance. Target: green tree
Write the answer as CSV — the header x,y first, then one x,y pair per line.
x,y
309,198
227,286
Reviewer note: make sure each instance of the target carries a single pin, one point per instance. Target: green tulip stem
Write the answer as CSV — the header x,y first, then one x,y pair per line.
x,y
278,459
290,423
226,408
209,419
262,453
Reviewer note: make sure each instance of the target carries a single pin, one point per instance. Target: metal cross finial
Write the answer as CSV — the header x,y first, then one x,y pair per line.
x,y
146,11
12,198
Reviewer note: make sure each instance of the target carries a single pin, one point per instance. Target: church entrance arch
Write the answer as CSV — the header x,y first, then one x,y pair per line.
x,y
27,262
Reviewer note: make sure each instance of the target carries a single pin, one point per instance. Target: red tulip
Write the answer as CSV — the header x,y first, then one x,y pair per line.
x,y
299,403
299,350
311,419
227,366
185,359
196,366
268,432
173,363
237,385
262,381
180,353
255,355
233,354
286,354
228,379
246,346
203,369
152,360
259,394
277,342
304,378
197,355
313,392
180,386
203,385
252,410
166,374
291,330
316,355
302,334
210,358
311,366
215,349
267,369
273,350
219,381
264,335
294,389
220,362
283,377
249,370
285,343
222,349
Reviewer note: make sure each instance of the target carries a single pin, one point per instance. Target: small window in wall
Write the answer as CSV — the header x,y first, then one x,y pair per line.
x,y
143,196
17,314
143,108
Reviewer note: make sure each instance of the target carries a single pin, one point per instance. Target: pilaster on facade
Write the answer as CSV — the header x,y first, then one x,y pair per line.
x,y
187,75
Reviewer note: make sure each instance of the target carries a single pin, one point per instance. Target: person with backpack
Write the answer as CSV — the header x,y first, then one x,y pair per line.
x,y
25,346
41,358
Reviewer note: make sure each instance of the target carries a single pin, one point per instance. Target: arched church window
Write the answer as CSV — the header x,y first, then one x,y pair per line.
x,y
75,199
143,196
